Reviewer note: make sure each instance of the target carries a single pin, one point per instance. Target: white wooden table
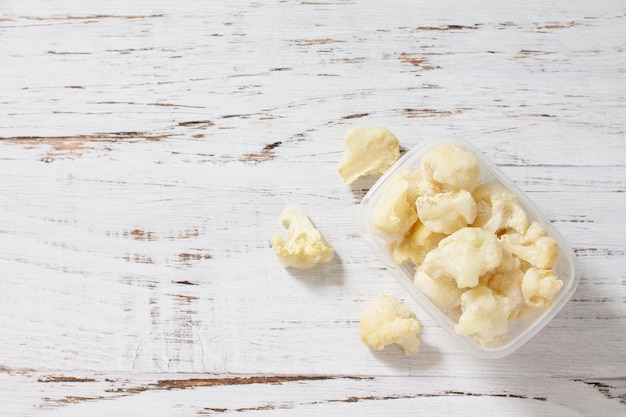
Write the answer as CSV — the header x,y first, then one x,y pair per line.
x,y
147,149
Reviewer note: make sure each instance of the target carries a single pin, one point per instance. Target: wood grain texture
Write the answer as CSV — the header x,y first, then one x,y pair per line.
x,y
147,149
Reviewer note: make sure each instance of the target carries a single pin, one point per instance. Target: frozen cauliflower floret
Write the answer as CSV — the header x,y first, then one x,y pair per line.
x,y
415,245
466,255
369,151
508,264
304,247
539,287
534,246
419,187
506,280
498,209
484,315
451,166
387,320
394,214
441,290
446,212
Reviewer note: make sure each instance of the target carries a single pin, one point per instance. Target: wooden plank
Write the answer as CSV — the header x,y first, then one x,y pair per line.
x,y
55,394
147,149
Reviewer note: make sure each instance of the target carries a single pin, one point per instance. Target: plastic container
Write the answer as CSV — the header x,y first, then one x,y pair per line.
x,y
519,331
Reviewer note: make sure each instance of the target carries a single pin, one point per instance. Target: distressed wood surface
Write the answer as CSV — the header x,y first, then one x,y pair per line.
x,y
147,149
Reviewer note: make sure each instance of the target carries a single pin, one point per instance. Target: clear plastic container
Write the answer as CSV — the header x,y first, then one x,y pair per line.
x,y
519,331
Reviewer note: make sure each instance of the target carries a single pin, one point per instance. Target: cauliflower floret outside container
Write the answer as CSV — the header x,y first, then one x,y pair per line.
x,y
530,246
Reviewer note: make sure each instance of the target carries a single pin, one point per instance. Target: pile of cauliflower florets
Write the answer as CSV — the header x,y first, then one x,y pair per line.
x,y
473,251
476,256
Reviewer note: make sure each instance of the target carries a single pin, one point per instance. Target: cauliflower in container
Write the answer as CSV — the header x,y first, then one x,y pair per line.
x,y
304,247
419,187
394,214
415,245
446,212
466,255
539,287
534,246
485,314
498,209
506,280
452,167
440,289
387,320
472,249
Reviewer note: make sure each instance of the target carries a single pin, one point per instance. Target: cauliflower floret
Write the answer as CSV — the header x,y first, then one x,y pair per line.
x,y
506,280
508,264
534,246
387,320
369,151
441,290
498,209
415,245
451,166
419,187
484,315
446,212
304,246
539,287
466,255
394,214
